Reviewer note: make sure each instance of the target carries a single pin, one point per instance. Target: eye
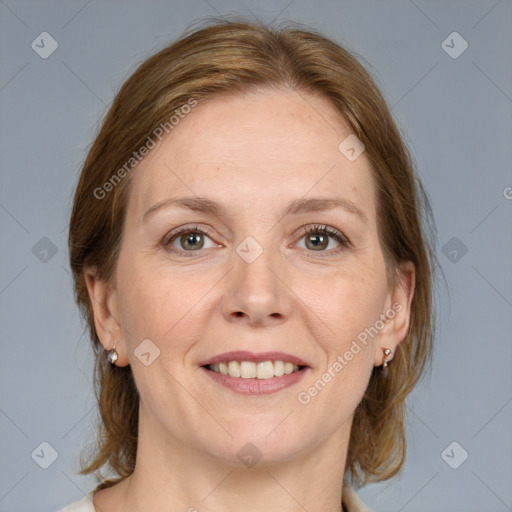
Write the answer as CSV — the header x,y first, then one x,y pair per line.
x,y
188,238
318,237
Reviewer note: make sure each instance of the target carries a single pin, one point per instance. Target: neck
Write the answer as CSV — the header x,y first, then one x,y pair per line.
x,y
170,471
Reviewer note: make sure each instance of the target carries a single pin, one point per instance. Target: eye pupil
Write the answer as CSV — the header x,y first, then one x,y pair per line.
x,y
321,241
188,240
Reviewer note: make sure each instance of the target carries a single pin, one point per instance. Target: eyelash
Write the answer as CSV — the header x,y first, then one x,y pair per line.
x,y
315,229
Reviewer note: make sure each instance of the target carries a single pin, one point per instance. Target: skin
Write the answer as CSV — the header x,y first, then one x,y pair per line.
x,y
253,154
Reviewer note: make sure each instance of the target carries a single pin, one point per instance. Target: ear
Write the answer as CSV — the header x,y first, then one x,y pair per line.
x,y
397,313
104,303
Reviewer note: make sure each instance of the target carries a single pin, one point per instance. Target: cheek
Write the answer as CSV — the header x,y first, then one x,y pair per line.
x,y
352,312
161,306
354,304
354,307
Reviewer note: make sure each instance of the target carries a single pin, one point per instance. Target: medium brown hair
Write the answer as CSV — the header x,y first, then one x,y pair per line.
x,y
234,57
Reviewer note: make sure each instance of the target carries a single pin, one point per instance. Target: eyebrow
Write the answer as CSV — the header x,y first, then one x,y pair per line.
x,y
296,207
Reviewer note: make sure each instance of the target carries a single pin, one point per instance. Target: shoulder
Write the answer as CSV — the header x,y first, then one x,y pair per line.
x,y
83,505
352,502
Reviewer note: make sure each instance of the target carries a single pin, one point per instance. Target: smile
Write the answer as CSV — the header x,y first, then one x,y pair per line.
x,y
254,378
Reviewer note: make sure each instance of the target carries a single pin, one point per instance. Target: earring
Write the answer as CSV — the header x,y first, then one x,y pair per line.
x,y
112,356
385,358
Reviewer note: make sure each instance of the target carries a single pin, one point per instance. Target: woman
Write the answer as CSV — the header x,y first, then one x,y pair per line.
x,y
247,250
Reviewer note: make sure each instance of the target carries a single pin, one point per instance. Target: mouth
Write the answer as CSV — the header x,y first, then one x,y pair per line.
x,y
255,374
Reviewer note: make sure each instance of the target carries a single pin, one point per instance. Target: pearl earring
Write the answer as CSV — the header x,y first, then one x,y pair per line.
x,y
385,358
112,356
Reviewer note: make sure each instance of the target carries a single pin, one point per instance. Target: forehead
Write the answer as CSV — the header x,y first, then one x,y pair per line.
x,y
268,147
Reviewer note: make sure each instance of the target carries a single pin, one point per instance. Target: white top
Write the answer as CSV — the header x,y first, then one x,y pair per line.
x,y
350,500
84,505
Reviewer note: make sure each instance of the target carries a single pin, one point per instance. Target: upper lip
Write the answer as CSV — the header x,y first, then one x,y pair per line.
x,y
243,355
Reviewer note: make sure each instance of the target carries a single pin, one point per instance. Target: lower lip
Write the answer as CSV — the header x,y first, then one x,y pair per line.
x,y
256,386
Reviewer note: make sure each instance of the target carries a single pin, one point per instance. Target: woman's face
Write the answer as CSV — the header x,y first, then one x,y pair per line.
x,y
248,276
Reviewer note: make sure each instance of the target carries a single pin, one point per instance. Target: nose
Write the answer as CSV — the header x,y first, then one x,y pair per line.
x,y
257,294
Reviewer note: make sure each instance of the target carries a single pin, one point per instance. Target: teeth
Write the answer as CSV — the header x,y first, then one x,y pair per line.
x,y
265,370
250,370
234,369
247,370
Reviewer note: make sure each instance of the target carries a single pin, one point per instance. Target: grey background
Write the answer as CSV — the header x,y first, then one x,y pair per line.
x,y
456,114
